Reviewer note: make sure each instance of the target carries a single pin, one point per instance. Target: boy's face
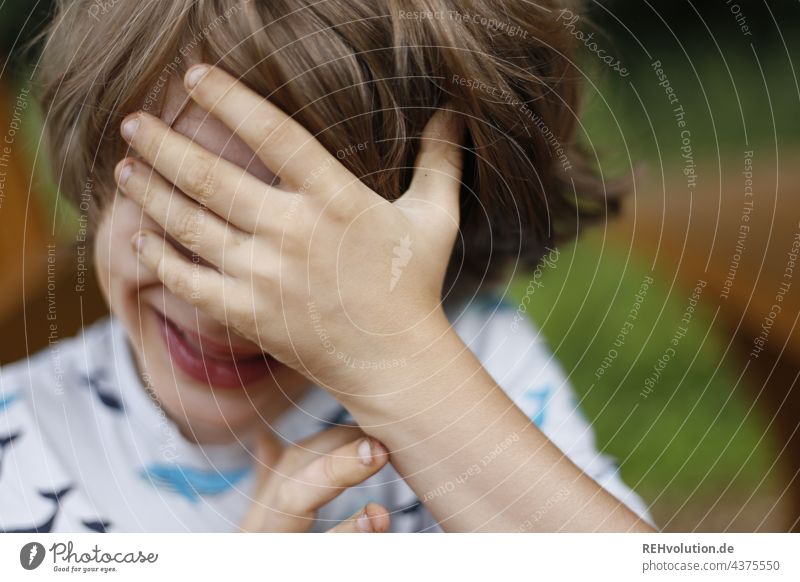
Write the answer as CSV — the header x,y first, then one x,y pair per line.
x,y
228,389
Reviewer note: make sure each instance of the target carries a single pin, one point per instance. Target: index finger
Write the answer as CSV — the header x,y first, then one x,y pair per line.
x,y
287,148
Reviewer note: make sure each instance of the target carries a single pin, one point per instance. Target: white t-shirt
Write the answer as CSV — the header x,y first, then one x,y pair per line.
x,y
83,447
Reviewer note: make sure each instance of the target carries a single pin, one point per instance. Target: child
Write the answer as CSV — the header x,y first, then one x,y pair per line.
x,y
274,236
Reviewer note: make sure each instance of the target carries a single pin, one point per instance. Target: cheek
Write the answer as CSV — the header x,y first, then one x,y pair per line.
x,y
118,269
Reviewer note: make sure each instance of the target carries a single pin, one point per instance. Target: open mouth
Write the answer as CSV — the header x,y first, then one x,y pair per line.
x,y
213,363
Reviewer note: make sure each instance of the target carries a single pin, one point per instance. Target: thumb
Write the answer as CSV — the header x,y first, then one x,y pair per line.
x,y
439,164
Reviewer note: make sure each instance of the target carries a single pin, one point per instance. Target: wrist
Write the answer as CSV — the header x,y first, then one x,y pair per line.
x,y
436,372
383,367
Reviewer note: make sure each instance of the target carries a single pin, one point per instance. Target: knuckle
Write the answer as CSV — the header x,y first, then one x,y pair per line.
x,y
199,178
188,226
237,252
343,209
200,300
273,128
234,239
181,286
331,467
454,157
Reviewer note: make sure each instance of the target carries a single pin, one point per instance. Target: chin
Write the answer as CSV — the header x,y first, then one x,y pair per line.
x,y
214,390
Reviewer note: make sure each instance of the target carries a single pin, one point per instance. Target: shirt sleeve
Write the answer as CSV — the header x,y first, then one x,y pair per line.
x,y
515,354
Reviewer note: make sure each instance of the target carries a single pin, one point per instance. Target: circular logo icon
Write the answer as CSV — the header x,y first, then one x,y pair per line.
x,y
31,555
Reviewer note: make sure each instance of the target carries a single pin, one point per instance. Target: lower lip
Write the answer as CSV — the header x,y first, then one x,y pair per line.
x,y
214,372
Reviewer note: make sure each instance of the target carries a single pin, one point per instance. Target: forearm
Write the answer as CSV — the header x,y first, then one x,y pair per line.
x,y
473,457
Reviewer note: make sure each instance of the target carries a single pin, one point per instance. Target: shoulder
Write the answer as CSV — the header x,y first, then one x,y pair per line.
x,y
51,369
46,413
55,382
60,387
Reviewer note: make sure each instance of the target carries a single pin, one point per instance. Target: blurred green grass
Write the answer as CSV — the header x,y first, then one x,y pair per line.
x,y
695,433
698,433
733,101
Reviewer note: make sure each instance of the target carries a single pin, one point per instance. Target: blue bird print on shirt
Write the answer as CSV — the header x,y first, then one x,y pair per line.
x,y
538,398
56,497
190,482
99,526
98,383
5,442
7,399
340,417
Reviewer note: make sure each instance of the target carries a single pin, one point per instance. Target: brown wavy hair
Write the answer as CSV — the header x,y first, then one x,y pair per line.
x,y
367,72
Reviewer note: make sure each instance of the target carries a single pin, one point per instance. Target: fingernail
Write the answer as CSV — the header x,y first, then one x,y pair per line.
x,y
365,451
124,173
129,127
363,523
138,241
194,75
